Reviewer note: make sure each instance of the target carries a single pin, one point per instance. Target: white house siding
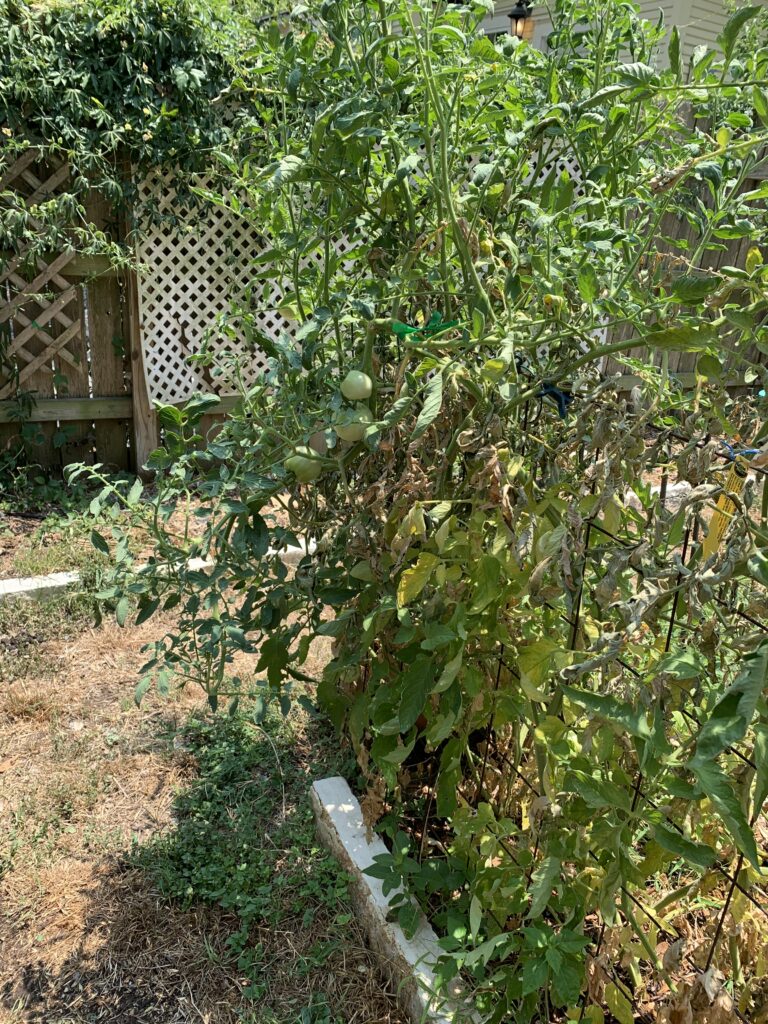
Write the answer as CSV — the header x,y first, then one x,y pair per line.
x,y
700,24
699,21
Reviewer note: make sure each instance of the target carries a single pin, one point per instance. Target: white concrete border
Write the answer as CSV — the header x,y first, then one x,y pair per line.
x,y
409,963
42,587
38,587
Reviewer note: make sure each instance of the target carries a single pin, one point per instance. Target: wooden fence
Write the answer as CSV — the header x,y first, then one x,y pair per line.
x,y
92,346
67,368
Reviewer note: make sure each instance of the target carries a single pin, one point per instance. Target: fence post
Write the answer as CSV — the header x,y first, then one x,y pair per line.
x,y
145,426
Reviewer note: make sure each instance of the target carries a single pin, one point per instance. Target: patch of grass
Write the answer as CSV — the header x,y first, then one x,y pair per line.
x,y
244,841
59,543
42,819
122,835
25,626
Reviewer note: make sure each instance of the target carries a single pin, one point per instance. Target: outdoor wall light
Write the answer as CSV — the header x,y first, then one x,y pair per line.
x,y
518,17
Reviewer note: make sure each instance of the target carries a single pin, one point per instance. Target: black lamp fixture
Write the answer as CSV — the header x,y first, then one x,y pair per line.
x,y
518,17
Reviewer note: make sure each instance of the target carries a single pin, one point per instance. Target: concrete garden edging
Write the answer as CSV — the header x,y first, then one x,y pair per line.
x,y
37,587
40,588
409,963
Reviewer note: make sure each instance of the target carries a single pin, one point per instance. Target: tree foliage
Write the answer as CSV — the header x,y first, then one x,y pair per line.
x,y
114,90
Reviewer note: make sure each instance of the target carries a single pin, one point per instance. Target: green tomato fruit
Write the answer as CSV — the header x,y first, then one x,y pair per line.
x,y
357,386
304,464
352,423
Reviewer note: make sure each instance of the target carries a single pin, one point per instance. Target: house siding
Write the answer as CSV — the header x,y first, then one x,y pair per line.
x,y
699,22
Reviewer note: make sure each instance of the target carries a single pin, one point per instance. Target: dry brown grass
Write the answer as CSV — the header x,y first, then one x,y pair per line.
x,y
84,775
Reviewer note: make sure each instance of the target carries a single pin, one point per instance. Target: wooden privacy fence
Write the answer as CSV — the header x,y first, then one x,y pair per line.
x,y
65,369
85,349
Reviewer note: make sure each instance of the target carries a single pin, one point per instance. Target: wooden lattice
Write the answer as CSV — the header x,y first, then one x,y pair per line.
x,y
193,275
40,322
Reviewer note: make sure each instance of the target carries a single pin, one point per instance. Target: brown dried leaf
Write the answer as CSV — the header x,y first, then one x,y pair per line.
x,y
373,804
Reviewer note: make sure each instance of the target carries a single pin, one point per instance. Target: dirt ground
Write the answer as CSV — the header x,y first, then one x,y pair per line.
x,y
86,777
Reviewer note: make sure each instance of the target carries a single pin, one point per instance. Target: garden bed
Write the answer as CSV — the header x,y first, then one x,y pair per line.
x,y
158,864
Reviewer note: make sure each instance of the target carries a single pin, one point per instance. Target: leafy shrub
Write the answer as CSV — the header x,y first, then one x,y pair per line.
x,y
102,84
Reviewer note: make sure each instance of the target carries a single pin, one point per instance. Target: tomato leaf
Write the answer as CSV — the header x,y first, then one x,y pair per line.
x,y
732,28
731,716
681,338
542,882
433,401
415,686
415,578
694,853
716,785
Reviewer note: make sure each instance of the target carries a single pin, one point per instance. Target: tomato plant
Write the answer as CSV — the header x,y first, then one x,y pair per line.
x,y
554,690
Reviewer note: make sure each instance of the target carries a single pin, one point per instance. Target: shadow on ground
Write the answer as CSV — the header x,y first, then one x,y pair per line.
x,y
226,913
139,961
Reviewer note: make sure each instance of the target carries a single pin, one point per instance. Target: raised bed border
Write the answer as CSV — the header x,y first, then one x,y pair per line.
x,y
408,963
40,588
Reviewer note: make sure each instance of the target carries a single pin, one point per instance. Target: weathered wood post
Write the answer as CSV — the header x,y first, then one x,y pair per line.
x,y
146,431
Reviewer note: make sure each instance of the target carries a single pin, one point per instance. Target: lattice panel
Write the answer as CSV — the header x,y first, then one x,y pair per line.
x,y
562,163
193,278
40,323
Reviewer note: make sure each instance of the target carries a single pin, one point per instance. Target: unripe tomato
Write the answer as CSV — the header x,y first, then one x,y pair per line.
x,y
357,386
352,423
304,464
486,246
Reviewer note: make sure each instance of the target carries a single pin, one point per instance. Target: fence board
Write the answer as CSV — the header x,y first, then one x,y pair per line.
x,y
43,449
109,370
78,446
61,319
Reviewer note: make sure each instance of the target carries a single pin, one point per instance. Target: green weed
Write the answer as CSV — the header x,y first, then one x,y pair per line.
x,y
244,841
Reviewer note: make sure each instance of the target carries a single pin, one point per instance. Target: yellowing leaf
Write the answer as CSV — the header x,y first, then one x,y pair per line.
x,y
414,579
754,260
535,662
494,369
619,1005
413,525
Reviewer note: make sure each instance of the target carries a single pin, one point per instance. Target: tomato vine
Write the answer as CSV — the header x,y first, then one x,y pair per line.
x,y
556,698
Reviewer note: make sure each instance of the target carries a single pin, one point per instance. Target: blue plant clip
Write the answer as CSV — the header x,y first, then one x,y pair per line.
x,y
732,453
562,398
